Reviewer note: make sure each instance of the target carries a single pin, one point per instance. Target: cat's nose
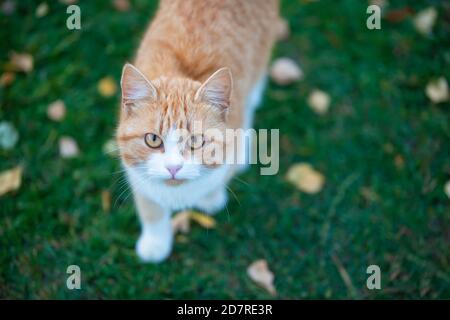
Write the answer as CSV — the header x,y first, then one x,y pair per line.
x,y
174,169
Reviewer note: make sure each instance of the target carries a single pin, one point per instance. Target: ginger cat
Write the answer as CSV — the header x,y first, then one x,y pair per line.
x,y
202,62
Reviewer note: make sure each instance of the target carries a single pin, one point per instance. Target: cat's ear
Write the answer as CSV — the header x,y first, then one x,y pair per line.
x,y
135,86
216,90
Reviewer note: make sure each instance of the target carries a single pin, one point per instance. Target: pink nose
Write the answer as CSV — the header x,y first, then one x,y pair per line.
x,y
173,170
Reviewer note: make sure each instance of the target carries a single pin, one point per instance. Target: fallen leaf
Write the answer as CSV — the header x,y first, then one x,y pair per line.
x,y
398,15
369,195
68,147
259,272
110,147
107,87
447,189
8,135
437,90
425,20
121,5
283,30
10,180
381,3
285,71
42,10
319,101
305,178
7,78
181,222
202,219
106,200
8,7
399,161
22,61
56,111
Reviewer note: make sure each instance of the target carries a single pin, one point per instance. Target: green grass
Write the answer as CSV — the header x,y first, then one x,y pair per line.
x,y
371,211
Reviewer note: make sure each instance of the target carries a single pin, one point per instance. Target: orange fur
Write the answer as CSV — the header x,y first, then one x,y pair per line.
x,y
188,41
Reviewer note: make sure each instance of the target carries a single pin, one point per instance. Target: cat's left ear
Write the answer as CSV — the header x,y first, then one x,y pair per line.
x,y
135,86
216,90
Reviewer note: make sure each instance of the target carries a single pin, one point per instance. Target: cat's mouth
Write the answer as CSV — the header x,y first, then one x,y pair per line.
x,y
174,181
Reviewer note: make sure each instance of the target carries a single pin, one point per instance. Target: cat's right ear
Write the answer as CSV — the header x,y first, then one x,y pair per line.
x,y
135,86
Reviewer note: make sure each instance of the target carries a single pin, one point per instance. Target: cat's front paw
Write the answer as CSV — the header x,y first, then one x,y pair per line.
x,y
213,202
154,248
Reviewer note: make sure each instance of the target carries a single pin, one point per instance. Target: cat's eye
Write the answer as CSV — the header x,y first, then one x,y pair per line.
x,y
196,141
152,140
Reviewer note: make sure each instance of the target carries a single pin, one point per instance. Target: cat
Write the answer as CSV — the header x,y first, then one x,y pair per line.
x,y
202,62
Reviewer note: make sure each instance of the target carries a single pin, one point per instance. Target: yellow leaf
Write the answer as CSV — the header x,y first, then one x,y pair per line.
x,y
305,178
259,272
202,219
107,87
10,180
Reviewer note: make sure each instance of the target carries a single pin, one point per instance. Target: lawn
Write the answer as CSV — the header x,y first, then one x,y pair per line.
x,y
383,148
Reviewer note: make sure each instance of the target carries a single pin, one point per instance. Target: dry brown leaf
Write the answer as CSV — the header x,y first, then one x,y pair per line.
x,y
7,78
68,147
285,71
305,178
22,61
425,20
259,272
10,180
399,161
283,30
121,5
437,90
202,219
106,201
42,10
56,111
398,15
447,189
181,222
107,87
319,101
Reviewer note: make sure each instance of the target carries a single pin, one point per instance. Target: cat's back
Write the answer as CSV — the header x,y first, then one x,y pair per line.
x,y
194,38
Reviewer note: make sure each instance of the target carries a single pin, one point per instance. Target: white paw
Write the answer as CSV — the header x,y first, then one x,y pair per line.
x,y
213,202
154,246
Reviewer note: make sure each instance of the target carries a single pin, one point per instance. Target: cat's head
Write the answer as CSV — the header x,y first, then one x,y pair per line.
x,y
171,129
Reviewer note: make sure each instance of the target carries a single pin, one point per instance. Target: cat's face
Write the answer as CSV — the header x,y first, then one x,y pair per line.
x,y
171,130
